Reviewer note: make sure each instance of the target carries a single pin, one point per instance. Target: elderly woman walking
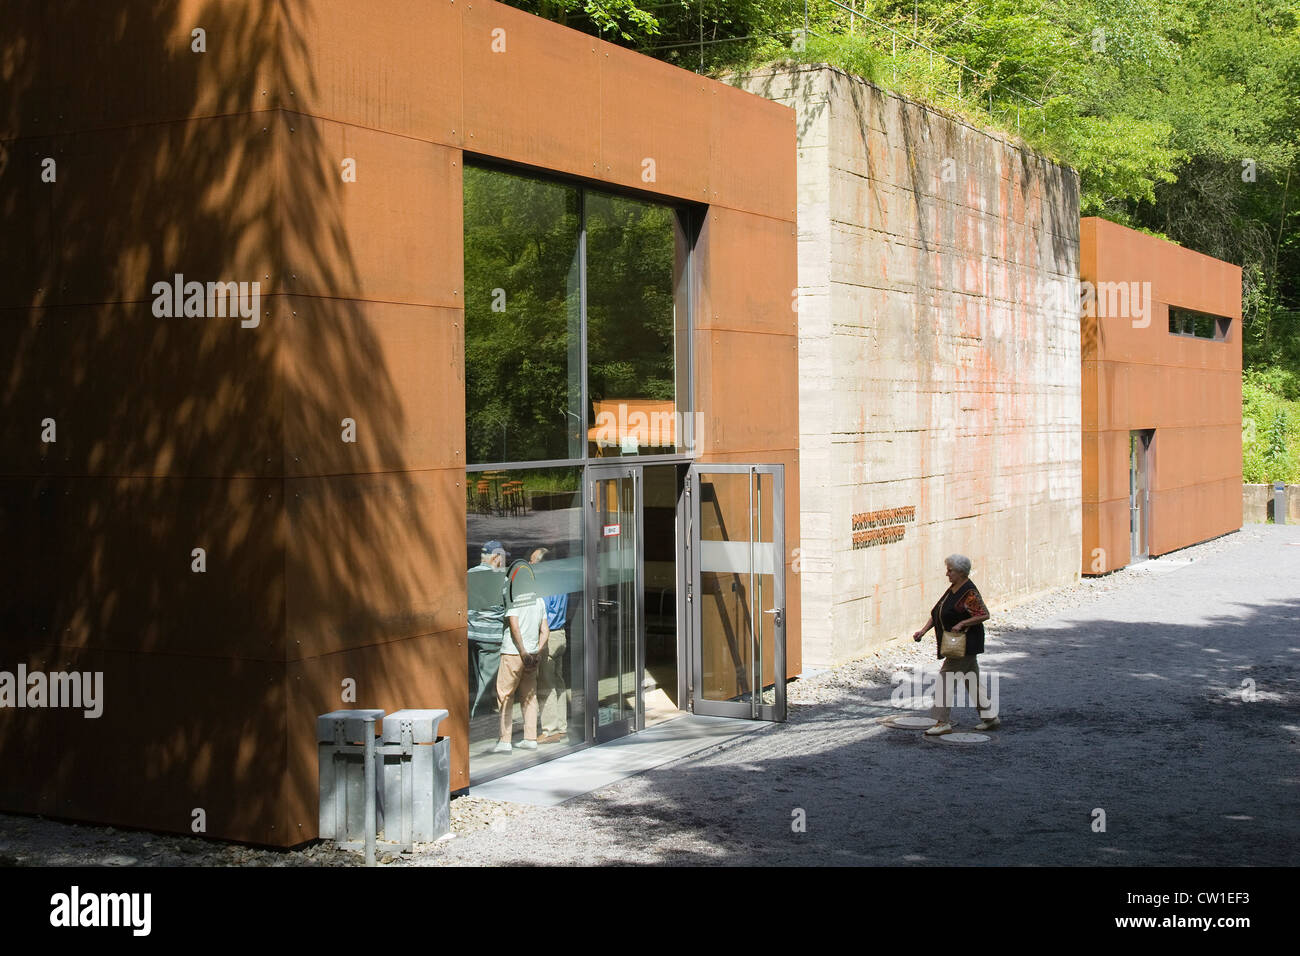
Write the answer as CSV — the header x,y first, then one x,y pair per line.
x,y
958,622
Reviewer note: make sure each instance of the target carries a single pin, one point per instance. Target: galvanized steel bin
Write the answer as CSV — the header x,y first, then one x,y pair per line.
x,y
414,779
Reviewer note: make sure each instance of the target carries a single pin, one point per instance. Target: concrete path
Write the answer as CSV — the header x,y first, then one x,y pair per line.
x,y
1132,704
557,781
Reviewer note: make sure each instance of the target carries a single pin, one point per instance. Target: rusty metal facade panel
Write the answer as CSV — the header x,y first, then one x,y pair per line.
x,y
203,733
394,69
394,202
1141,376
130,394
108,65
656,125
394,371
372,559
232,165
532,90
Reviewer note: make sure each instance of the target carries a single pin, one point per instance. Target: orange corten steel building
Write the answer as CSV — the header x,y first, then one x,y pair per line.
x,y
1161,396
325,560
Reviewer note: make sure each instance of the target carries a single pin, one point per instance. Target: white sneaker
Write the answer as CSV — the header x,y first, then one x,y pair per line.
x,y
939,729
993,723
502,747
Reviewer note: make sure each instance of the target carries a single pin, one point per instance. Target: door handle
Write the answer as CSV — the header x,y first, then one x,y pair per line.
x,y
779,613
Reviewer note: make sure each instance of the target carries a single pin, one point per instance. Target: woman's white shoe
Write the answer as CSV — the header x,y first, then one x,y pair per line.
x,y
939,729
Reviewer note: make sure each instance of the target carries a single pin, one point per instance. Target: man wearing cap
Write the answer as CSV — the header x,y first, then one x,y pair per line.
x,y
485,623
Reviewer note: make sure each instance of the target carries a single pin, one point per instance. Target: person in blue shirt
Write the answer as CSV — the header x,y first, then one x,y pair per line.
x,y
551,686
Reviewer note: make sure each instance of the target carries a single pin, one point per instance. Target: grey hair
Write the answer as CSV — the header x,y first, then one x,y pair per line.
x,y
959,563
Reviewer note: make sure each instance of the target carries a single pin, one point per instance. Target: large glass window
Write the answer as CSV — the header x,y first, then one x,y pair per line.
x,y
524,553
532,249
523,372
635,328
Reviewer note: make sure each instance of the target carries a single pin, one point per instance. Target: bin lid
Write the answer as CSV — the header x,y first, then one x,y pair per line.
x,y
354,724
424,725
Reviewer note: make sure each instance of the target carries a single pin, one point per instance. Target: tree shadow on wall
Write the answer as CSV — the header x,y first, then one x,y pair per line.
x,y
179,433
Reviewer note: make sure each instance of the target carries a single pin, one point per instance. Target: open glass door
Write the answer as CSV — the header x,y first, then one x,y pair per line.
x,y
615,607
736,590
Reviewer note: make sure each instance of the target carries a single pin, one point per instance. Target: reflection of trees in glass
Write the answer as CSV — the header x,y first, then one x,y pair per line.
x,y
522,391
630,247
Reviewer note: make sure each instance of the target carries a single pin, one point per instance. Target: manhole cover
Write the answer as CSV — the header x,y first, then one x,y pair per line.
x,y
910,723
964,738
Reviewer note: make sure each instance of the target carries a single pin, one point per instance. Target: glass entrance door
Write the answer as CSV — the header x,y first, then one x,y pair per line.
x,y
615,613
736,590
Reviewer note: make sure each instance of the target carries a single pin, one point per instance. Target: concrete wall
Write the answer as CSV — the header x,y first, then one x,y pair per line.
x,y
1255,503
325,560
1139,375
1258,504
938,359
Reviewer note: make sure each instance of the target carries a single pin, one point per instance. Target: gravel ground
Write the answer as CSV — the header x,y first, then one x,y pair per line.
x,y
1120,694
35,841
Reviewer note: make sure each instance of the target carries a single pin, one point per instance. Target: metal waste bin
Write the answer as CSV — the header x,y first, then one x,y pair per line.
x,y
341,746
414,779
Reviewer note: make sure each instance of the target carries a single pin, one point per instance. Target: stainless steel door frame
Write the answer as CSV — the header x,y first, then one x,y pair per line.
x,y
595,475
753,708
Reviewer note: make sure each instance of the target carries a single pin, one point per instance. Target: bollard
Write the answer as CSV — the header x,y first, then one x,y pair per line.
x,y
1279,503
369,722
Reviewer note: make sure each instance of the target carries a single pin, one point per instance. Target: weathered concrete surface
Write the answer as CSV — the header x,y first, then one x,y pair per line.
x,y
1258,503
938,356
1132,704
1254,503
